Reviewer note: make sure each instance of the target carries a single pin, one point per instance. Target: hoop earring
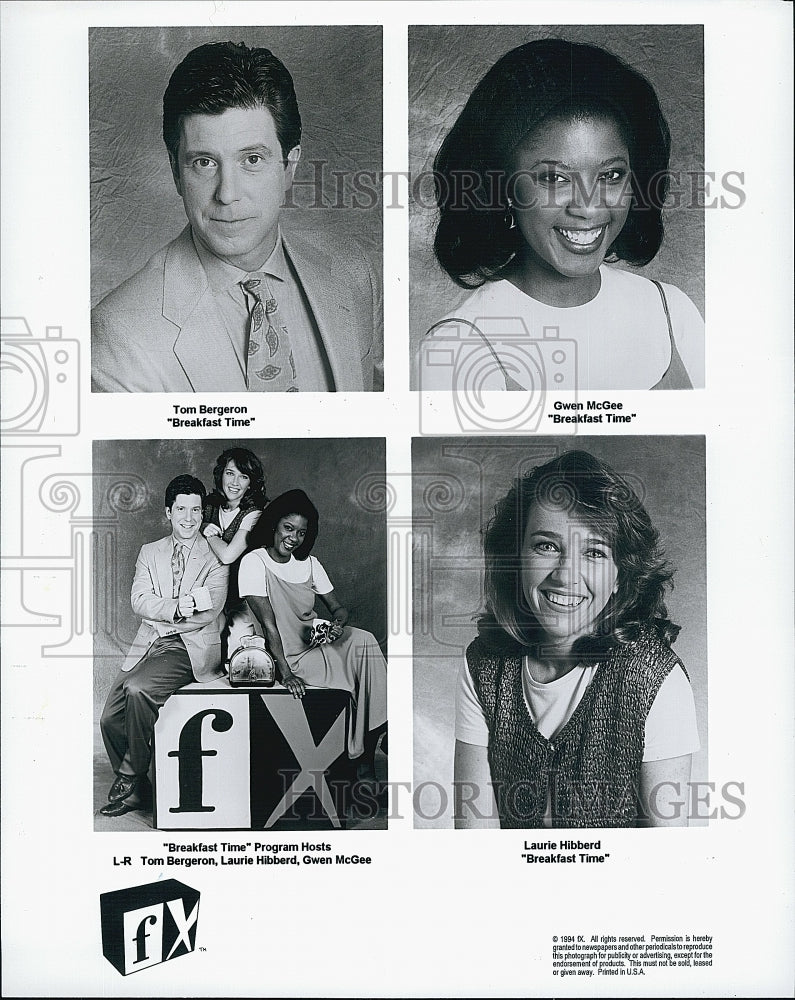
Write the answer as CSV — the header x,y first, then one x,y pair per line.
x,y
510,222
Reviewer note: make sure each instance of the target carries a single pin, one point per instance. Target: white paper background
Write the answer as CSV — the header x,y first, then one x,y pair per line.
x,y
437,913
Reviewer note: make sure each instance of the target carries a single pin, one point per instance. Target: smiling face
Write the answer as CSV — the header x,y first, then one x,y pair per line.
x,y
234,484
568,574
231,175
185,516
289,534
572,198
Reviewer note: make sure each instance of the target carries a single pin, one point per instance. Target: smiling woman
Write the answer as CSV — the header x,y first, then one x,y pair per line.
x,y
230,513
572,710
556,167
281,583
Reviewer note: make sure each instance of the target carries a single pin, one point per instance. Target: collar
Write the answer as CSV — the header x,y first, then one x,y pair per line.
x,y
222,275
178,541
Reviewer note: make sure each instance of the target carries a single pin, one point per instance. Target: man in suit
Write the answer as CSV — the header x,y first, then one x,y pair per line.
x,y
232,304
179,591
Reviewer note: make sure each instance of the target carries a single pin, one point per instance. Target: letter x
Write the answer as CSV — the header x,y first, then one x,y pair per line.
x,y
176,908
313,760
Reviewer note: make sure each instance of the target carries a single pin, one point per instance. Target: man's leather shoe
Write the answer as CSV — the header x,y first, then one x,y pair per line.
x,y
120,807
122,787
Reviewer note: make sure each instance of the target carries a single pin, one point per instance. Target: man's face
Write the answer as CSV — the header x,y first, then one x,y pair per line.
x,y
232,179
185,516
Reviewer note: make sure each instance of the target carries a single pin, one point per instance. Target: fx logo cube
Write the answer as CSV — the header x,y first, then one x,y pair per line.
x,y
148,924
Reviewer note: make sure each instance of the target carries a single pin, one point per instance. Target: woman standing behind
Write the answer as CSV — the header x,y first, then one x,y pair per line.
x,y
572,709
280,581
558,165
230,512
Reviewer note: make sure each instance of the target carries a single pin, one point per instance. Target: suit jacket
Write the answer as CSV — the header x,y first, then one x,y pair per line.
x,y
151,599
160,331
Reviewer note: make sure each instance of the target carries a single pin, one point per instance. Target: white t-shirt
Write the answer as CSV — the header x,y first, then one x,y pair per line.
x,y
252,579
671,729
618,340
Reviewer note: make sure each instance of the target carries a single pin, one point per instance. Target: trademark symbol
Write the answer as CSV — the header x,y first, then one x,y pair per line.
x,y
202,949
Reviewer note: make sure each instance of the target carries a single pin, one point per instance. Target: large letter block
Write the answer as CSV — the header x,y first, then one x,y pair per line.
x,y
249,758
148,924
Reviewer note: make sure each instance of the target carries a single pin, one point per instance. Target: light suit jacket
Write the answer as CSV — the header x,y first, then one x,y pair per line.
x,y
160,331
151,599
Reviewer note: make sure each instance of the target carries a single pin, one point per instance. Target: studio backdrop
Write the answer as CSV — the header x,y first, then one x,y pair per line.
x,y
456,483
446,62
135,208
343,478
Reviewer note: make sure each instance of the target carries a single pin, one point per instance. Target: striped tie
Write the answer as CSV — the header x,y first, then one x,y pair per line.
x,y
269,366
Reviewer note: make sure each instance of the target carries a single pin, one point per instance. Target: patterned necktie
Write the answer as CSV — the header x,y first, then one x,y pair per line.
x,y
177,567
269,366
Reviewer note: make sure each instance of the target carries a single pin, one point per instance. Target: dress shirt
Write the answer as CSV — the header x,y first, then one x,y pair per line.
x,y
313,373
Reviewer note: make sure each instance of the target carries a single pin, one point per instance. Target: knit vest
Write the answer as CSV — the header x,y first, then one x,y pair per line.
x,y
591,768
212,515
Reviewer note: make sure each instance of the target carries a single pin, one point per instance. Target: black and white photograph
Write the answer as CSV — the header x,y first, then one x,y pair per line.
x,y
244,586
331,668
234,179
557,236
560,631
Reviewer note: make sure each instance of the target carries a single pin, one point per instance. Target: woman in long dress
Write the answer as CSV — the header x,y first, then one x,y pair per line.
x,y
281,582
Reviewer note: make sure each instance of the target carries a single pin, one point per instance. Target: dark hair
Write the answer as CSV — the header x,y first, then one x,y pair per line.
x,y
221,75
583,485
189,485
291,502
248,463
538,82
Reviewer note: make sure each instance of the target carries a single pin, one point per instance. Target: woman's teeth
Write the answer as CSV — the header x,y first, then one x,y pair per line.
x,y
582,237
564,600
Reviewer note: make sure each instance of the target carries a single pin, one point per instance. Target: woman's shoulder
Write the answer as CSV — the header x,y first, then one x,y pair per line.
x,y
620,281
248,506
474,305
248,517
644,296
648,654
493,644
476,323
256,557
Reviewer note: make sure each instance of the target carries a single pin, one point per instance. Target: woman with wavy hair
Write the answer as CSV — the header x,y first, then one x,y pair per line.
x,y
558,166
230,513
572,709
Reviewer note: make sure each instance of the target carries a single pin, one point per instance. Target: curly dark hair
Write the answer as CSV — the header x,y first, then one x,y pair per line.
x,y
539,82
248,463
221,75
587,487
291,502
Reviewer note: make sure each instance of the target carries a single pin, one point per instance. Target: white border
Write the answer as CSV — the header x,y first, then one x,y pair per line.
x,y
436,913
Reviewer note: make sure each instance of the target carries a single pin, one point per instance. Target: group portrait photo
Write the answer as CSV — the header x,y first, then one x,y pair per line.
x,y
240,675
